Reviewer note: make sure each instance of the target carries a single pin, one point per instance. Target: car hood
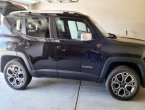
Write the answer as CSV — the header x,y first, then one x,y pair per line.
x,y
130,40
124,46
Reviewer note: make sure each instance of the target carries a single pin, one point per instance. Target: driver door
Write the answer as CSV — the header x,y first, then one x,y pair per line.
x,y
69,47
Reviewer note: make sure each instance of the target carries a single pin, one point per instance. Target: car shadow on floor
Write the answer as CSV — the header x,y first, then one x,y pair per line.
x,y
47,83
51,82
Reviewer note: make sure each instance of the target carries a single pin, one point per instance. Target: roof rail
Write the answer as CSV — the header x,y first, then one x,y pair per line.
x,y
46,11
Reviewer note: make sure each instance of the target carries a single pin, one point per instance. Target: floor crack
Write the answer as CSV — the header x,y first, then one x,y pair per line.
x,y
77,96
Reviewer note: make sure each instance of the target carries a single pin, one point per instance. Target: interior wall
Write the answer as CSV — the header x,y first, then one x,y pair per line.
x,y
116,16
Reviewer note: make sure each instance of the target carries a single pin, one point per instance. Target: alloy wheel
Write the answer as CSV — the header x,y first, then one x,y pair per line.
x,y
123,84
15,76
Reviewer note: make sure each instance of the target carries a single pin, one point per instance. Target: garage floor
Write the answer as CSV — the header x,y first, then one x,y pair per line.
x,y
60,94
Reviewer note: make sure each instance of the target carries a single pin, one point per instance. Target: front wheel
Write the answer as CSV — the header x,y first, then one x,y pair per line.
x,y
16,74
123,83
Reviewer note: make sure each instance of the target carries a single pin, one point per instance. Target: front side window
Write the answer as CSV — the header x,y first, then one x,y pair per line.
x,y
68,28
37,27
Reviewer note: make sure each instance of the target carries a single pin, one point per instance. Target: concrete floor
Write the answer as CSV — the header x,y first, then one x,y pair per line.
x,y
60,94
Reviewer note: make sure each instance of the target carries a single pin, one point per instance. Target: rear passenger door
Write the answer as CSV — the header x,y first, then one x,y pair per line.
x,y
39,46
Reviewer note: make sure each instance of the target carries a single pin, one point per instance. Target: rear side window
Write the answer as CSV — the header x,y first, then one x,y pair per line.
x,y
37,27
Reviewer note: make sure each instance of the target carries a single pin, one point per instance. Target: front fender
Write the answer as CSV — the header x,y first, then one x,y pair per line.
x,y
139,62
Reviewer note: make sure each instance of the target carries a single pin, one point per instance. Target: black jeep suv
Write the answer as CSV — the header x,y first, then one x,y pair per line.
x,y
70,45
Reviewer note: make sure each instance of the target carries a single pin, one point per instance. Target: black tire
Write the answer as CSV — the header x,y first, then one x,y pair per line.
x,y
16,74
123,83
30,78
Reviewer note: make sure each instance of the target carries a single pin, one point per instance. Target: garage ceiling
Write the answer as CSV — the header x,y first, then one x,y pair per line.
x,y
50,1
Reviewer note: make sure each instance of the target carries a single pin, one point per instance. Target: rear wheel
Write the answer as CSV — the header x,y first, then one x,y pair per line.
x,y
16,74
123,83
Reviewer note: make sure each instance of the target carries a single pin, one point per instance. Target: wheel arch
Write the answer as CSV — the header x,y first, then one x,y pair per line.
x,y
137,64
5,57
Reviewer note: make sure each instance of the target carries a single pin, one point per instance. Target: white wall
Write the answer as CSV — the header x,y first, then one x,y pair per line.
x,y
116,16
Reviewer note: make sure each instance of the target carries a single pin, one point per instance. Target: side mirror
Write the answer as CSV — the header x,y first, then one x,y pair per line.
x,y
112,36
86,36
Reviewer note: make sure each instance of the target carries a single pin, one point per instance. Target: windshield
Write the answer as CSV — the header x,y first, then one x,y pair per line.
x,y
100,28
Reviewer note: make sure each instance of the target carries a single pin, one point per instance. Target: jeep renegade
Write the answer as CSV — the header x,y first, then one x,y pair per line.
x,y
63,44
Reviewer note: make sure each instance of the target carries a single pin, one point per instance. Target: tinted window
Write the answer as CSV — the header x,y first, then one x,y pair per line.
x,y
37,27
68,28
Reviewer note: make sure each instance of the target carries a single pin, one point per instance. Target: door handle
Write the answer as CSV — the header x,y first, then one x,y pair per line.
x,y
58,47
